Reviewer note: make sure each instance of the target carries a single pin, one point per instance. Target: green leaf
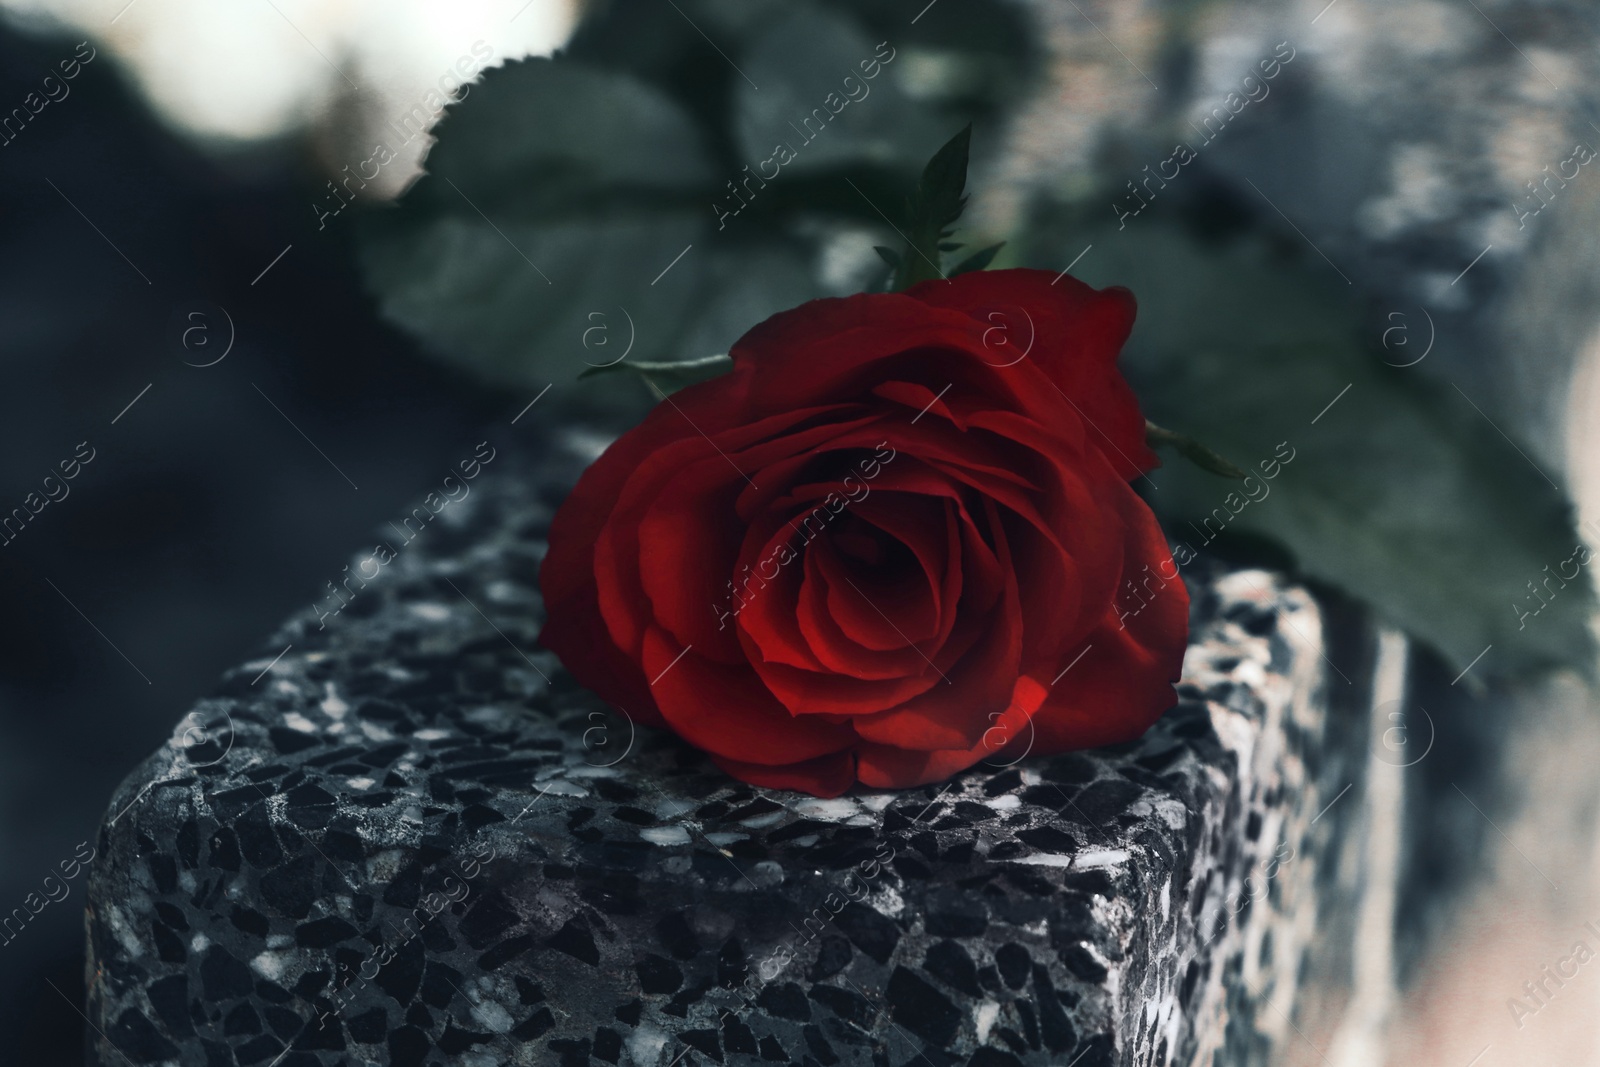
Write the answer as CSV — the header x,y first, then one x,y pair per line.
x,y
566,218
934,208
1394,488
979,260
667,377
524,303
941,193
541,136
1192,450
563,195
518,250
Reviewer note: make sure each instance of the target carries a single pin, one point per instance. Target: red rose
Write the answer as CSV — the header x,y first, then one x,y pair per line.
x,y
897,538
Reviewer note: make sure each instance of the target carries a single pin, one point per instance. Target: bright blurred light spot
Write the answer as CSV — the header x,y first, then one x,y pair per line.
x,y
252,69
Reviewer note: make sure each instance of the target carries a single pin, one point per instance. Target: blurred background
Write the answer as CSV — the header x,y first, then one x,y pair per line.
x,y
1381,206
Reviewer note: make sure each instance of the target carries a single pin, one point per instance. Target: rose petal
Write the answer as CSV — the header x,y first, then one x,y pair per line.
x,y
672,534
726,711
577,634
888,767
885,607
978,686
1123,682
574,628
836,648
838,351
1077,333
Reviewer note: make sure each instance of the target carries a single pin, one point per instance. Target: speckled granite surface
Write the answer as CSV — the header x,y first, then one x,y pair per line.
x,y
410,839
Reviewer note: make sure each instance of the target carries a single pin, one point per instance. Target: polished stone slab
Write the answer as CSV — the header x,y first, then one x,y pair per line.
x,y
402,835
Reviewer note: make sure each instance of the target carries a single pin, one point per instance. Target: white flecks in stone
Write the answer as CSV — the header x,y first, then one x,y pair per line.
x,y
984,1019
489,1012
431,734
838,809
384,866
861,820
758,822
766,874
486,715
1101,857
665,835
645,1044
361,783
1236,731
725,837
199,943
1252,673
806,841
526,683
587,771
277,941
186,881
1256,586
876,801
1031,776
431,612
1044,859
332,704
886,900
296,721
504,592
1172,812
673,807
286,687
269,965
375,732
1007,802
559,786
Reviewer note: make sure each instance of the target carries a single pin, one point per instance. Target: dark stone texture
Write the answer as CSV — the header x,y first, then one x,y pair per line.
x,y
417,841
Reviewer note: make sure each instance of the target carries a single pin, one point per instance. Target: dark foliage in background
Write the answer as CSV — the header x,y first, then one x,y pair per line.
x,y
204,517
